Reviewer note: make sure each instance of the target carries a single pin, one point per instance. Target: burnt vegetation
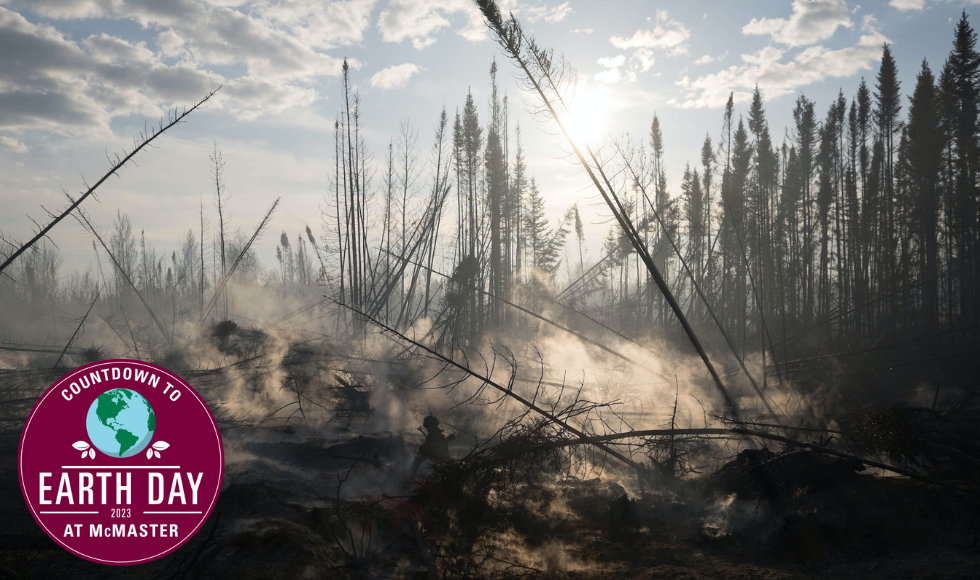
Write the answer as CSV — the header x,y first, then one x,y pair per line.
x,y
768,369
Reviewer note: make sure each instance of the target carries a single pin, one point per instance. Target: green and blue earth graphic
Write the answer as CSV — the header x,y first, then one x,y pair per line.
x,y
120,423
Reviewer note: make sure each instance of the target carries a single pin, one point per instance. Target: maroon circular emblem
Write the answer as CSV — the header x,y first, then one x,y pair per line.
x,y
120,462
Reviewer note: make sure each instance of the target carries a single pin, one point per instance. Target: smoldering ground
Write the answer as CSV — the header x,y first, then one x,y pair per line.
x,y
321,436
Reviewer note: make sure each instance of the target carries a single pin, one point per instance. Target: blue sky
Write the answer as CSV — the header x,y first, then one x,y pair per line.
x,y
81,77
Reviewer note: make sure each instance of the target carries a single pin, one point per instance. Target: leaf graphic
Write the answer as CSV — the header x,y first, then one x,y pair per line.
x,y
84,453
149,453
80,445
161,445
157,454
91,453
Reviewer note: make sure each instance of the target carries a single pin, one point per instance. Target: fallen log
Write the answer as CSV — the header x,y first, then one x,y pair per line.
x,y
736,432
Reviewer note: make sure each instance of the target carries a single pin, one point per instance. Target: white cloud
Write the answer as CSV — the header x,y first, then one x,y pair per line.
x,y
419,20
764,26
612,61
112,49
706,59
775,77
394,77
321,25
11,144
559,13
171,44
609,76
869,23
810,22
666,34
642,59
249,97
67,8
581,31
269,37
550,14
233,37
44,86
63,84
904,5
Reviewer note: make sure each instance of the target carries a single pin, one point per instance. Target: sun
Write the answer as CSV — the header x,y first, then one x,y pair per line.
x,y
586,115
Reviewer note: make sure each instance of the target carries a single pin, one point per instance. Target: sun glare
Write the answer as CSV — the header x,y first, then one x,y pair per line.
x,y
585,118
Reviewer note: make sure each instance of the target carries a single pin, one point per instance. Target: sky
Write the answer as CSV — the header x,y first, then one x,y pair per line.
x,y
79,79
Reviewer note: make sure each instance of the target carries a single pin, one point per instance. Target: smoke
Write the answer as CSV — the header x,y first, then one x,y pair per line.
x,y
730,515
291,365
291,362
551,557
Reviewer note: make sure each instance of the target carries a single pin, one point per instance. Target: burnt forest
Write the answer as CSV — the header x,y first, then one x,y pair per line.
x,y
765,368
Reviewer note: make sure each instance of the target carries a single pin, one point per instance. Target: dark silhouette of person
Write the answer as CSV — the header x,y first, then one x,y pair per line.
x,y
436,445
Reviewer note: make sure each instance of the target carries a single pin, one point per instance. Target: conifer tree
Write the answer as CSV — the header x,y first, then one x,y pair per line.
x,y
964,64
518,192
888,106
544,243
497,186
925,152
806,138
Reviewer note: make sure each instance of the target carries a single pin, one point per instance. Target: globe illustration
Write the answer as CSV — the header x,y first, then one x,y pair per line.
x,y
120,423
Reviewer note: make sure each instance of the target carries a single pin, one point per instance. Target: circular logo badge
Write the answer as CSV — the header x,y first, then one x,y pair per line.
x,y
120,462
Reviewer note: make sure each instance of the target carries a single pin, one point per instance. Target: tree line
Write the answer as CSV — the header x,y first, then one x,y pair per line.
x,y
862,223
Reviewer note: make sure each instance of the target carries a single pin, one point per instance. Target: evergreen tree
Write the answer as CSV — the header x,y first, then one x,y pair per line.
x,y
825,196
462,189
695,214
925,152
762,197
518,188
544,243
806,136
789,212
666,208
888,106
964,64
852,212
580,236
497,185
708,162
472,145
